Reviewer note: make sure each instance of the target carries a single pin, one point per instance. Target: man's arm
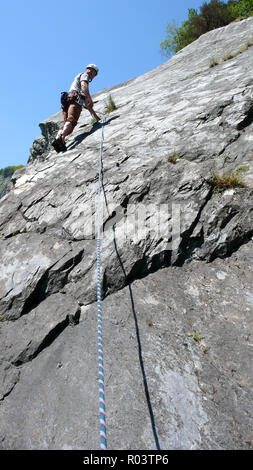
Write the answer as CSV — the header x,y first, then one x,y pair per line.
x,y
88,101
86,93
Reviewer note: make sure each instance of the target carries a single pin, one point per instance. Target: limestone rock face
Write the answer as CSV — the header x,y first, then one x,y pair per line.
x,y
176,265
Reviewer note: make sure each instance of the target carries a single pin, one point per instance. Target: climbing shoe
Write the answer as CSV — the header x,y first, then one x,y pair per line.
x,y
59,145
62,144
55,144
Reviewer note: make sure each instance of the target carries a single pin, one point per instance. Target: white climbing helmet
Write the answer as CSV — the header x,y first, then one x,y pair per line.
x,y
92,66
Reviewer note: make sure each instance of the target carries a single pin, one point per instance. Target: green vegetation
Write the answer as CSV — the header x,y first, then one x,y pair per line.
x,y
214,63
242,8
173,158
231,56
243,49
242,169
5,176
110,105
73,321
231,180
196,336
227,57
211,15
8,171
179,36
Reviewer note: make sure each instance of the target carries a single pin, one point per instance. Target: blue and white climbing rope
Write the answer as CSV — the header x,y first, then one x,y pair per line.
x,y
103,443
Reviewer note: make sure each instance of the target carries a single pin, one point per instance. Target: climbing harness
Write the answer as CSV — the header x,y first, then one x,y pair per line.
x,y
103,443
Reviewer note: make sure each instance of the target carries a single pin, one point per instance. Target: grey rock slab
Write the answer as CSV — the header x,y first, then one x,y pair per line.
x,y
41,145
228,222
32,333
9,376
26,260
200,391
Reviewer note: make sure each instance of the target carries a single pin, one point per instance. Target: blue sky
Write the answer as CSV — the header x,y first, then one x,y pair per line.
x,y
44,44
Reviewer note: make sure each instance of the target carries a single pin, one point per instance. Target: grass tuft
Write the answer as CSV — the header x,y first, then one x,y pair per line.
x,y
230,180
173,158
196,336
110,105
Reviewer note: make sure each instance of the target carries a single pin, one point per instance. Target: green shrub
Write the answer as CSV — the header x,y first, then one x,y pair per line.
x,y
231,180
173,158
242,169
211,15
196,336
110,105
179,36
8,171
241,8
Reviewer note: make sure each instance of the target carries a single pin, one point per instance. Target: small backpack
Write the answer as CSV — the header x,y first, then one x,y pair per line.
x,y
64,98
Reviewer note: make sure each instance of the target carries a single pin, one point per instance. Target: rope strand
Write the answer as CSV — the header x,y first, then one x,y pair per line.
x,y
103,442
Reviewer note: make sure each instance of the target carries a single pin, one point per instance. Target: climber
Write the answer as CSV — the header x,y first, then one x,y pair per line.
x,y
72,103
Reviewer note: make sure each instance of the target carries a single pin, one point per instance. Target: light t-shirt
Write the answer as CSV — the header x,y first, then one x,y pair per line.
x,y
76,84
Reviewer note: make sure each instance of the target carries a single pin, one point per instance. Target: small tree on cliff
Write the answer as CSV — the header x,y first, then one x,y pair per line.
x,y
212,15
179,36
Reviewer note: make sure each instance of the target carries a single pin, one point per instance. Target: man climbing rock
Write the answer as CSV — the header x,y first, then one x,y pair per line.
x,y
72,104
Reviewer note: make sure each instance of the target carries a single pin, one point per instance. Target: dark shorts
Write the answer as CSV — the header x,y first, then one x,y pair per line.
x,y
71,113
